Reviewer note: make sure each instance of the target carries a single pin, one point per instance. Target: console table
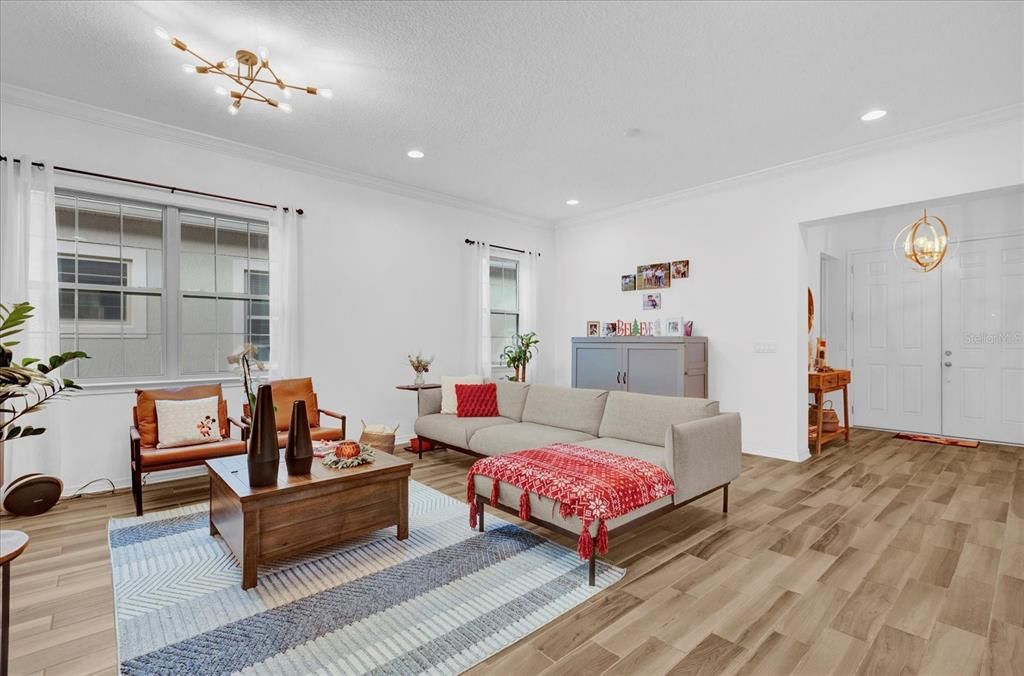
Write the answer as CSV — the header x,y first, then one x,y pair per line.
x,y
820,383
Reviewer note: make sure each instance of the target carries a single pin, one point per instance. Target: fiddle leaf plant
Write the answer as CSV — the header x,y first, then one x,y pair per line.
x,y
27,386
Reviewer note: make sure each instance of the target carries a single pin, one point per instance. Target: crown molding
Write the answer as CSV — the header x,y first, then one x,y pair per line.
x,y
992,118
56,105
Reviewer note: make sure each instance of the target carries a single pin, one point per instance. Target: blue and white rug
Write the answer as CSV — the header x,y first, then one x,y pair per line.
x,y
443,600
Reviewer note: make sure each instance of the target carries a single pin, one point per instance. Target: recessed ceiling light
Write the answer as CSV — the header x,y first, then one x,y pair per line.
x,y
572,203
415,154
873,115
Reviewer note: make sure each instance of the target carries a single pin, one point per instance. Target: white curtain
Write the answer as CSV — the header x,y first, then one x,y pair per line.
x,y
284,294
477,332
529,270
28,272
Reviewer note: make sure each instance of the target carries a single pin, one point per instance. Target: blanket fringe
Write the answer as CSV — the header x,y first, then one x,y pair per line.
x,y
472,513
495,484
524,506
602,537
585,547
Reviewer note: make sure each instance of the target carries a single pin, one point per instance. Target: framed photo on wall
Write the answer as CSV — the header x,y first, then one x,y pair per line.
x,y
680,269
653,276
652,301
629,282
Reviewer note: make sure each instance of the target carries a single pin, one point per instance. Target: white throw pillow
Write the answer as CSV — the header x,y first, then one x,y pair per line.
x,y
187,422
449,402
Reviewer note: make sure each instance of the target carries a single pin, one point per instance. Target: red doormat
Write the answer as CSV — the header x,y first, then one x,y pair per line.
x,y
944,441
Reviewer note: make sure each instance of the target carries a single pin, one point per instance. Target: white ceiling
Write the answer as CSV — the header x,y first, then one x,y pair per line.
x,y
521,106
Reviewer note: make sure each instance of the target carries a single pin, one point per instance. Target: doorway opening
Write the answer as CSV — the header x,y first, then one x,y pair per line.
x,y
940,352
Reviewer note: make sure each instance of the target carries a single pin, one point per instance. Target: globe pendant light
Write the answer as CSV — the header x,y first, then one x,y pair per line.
x,y
923,243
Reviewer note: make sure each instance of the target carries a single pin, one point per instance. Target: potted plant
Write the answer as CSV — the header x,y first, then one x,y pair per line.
x,y
29,385
517,355
244,362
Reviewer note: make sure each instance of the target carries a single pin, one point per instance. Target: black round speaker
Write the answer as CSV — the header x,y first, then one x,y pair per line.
x,y
32,494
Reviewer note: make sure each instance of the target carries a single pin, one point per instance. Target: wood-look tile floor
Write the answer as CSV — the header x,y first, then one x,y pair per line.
x,y
878,557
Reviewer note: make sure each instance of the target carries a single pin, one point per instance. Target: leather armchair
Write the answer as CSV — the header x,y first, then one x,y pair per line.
x,y
285,393
142,436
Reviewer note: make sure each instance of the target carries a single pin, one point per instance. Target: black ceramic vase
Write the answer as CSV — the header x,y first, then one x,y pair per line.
x,y
298,454
264,457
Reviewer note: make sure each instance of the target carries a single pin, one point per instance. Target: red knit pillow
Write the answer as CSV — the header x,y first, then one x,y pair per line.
x,y
476,401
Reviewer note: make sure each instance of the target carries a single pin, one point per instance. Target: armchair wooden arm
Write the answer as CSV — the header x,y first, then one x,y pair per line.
x,y
136,441
338,416
242,425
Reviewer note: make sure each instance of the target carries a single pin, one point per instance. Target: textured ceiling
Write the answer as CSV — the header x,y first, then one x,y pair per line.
x,y
523,105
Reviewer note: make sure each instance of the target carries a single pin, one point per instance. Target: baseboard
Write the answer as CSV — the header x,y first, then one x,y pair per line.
x,y
126,482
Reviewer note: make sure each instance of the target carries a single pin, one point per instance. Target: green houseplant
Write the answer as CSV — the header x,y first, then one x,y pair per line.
x,y
28,386
517,355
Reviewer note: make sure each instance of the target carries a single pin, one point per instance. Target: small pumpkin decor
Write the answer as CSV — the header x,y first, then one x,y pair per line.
x,y
348,454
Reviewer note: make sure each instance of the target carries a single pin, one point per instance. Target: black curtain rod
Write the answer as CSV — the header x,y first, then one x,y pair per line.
x,y
173,189
498,246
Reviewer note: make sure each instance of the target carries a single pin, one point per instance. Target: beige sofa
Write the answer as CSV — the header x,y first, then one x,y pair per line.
x,y
698,445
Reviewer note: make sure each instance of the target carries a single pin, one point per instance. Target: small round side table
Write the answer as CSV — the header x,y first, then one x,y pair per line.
x,y
12,544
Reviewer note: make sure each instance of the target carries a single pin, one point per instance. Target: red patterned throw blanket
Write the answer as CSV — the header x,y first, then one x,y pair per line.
x,y
590,484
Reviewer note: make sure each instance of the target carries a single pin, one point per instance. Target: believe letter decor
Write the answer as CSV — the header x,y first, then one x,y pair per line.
x,y
263,453
298,453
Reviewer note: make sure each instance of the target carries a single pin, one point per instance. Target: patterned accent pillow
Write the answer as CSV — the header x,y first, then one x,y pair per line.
x,y
187,422
477,401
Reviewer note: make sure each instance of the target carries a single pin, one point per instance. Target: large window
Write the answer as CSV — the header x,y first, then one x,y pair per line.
x,y
504,306
119,304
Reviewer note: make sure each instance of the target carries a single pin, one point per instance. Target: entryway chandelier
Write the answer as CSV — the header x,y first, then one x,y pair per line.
x,y
923,243
244,71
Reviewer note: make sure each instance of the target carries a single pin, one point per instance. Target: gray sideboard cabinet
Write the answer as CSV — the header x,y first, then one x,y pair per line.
x,y
672,366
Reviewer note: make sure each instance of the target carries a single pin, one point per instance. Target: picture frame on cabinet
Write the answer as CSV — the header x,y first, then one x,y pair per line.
x,y
593,329
674,326
608,329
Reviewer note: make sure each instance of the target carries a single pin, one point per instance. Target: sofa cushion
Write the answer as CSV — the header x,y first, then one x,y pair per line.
x,y
449,402
568,408
511,399
452,430
521,436
645,418
541,509
656,455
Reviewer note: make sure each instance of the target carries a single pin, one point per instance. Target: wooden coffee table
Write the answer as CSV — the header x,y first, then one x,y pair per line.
x,y
304,513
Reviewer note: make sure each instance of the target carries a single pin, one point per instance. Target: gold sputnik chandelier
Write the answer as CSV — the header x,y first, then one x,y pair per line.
x,y
924,243
246,70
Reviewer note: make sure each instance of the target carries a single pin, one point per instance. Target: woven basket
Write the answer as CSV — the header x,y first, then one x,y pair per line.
x,y
829,418
379,437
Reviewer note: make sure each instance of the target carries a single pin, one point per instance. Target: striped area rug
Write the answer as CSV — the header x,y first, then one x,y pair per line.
x,y
439,602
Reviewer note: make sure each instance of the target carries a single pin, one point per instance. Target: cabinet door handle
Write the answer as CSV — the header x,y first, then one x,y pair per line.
x,y
618,377
625,374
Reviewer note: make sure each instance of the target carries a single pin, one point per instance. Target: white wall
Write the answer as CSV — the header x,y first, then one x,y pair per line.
x,y
381,272
748,261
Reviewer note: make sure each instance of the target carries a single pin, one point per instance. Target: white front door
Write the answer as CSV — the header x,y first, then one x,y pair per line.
x,y
896,345
983,340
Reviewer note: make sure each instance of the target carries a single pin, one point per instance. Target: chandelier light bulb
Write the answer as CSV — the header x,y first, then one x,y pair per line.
x,y
187,68
264,53
286,107
287,93
162,34
233,108
221,91
326,93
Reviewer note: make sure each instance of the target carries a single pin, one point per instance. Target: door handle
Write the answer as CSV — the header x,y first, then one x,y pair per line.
x,y
948,363
625,374
618,377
